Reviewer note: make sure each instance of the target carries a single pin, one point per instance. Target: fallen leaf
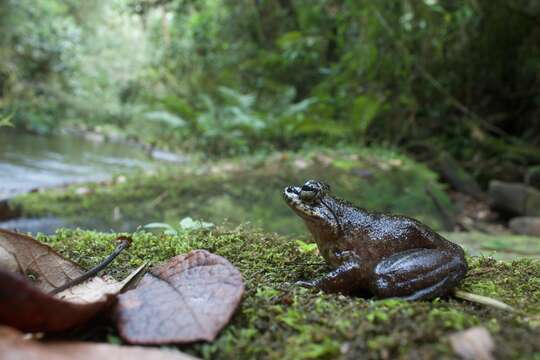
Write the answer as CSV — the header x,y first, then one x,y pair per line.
x,y
189,298
95,289
475,343
46,267
29,306
14,347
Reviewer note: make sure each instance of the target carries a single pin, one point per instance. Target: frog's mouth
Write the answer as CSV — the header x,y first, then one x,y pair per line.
x,y
316,211
292,197
308,210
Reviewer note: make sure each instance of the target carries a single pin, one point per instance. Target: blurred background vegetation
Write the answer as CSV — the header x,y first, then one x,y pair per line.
x,y
229,77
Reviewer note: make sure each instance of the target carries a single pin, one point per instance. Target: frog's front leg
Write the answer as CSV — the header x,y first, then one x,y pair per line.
x,y
349,277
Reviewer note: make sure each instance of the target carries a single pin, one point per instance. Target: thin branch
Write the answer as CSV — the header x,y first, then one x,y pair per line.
x,y
484,300
124,243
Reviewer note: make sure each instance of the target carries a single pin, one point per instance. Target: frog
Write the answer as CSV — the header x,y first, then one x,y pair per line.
x,y
380,254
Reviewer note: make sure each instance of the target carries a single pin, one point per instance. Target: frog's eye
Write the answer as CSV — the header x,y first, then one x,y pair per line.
x,y
308,195
309,191
310,187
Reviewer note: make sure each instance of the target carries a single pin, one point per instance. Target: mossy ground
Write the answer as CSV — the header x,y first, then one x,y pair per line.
x,y
279,321
498,246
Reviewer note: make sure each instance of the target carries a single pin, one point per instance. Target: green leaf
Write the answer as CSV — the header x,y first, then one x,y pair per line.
x,y
6,121
165,117
188,223
306,248
168,229
364,110
235,98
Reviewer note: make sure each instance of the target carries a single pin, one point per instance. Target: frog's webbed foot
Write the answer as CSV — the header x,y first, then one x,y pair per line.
x,y
306,284
418,274
346,279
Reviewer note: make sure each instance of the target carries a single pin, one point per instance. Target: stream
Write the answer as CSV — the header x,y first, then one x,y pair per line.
x,y
29,162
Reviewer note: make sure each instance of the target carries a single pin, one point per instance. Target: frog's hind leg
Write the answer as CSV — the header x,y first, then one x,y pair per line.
x,y
418,274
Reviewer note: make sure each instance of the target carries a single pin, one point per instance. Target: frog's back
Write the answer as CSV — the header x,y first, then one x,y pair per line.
x,y
392,232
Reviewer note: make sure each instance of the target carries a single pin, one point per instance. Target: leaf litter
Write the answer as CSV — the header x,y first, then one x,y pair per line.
x,y
28,305
14,346
189,298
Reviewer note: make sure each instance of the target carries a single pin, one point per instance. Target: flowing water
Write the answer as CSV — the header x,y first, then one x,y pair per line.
x,y
29,161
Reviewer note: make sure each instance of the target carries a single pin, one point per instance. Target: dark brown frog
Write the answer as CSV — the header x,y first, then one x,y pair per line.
x,y
386,255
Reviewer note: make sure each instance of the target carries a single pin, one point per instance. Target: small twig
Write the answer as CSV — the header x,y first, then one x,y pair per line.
x,y
484,300
448,219
124,243
152,204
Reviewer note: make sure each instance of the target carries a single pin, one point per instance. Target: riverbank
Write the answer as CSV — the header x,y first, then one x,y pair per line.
x,y
248,191
242,190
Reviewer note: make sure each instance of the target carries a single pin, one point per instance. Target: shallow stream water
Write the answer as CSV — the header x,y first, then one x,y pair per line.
x,y
30,162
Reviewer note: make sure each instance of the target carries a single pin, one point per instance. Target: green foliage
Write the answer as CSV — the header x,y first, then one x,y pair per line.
x,y
228,76
6,121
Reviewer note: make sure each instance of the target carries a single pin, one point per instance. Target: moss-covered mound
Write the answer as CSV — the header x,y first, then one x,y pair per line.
x,y
499,246
281,321
245,190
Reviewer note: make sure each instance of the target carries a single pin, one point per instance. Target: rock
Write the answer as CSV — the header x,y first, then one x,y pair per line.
x,y
525,225
82,191
94,137
8,211
324,160
168,156
117,214
475,343
514,198
300,164
532,177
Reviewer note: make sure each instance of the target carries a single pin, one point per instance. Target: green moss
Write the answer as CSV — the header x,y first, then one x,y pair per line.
x,y
499,246
281,321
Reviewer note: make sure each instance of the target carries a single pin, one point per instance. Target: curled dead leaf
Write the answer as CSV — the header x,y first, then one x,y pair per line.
x,y
14,347
189,298
47,268
29,306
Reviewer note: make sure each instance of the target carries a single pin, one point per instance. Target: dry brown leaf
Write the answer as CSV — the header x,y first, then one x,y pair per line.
x,y
475,344
189,298
97,289
48,269
28,306
14,347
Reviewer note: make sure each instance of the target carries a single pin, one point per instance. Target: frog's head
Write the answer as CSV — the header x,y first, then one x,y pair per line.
x,y
311,202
